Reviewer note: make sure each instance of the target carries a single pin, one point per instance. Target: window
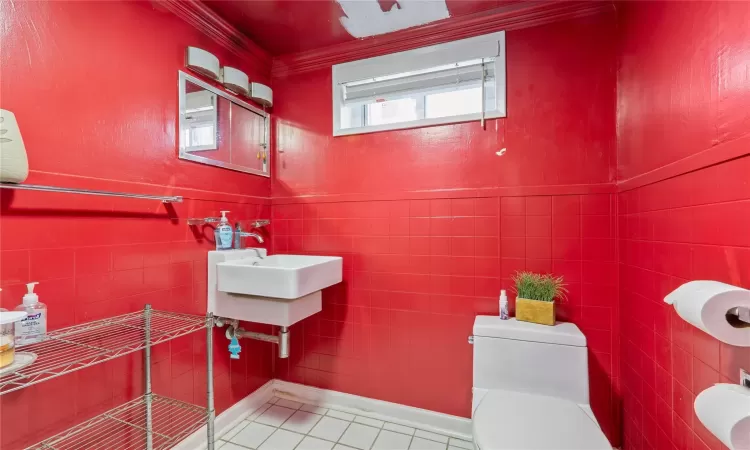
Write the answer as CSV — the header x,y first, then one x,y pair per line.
x,y
446,83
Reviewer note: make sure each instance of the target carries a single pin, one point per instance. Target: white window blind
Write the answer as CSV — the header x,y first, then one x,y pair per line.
x,y
421,87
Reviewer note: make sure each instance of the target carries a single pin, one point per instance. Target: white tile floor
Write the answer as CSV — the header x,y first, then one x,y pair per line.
x,y
286,425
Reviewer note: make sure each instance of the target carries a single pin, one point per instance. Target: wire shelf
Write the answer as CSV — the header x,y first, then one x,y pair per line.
x,y
80,346
126,427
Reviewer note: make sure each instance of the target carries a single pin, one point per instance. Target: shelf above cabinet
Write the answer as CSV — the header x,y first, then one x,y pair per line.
x,y
80,346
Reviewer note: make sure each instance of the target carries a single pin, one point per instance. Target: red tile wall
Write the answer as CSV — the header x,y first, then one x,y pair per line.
x,y
94,88
686,228
417,272
683,92
430,230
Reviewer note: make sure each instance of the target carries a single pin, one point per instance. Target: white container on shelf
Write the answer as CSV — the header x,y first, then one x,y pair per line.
x,y
8,320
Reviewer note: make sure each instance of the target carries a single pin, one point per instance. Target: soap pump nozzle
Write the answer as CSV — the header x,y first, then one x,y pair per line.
x,y
30,298
224,216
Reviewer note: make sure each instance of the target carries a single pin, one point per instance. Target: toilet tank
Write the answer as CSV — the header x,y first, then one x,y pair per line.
x,y
527,357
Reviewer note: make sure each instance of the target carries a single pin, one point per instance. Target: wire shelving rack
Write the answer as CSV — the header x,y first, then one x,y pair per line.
x,y
148,422
127,427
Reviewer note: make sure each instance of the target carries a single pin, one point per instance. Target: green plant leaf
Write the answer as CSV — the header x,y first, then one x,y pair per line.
x,y
542,287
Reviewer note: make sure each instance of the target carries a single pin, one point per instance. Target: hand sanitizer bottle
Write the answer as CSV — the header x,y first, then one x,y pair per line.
x,y
33,328
224,233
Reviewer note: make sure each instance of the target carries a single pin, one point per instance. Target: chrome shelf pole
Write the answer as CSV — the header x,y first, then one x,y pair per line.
x,y
147,357
210,380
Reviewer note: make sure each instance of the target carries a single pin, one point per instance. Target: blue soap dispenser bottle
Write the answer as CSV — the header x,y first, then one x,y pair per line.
x,y
224,233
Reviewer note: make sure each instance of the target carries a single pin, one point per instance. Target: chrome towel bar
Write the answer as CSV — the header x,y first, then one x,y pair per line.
x,y
36,187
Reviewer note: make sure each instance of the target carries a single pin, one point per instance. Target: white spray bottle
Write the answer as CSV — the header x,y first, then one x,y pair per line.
x,y
503,305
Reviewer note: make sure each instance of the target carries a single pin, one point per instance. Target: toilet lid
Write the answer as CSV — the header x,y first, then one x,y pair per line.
x,y
506,420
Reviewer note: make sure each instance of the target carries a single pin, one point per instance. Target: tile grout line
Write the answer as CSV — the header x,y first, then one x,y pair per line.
x,y
317,421
303,436
411,439
338,441
285,421
380,431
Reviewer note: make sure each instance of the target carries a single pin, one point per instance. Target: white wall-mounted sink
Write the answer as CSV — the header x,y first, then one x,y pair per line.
x,y
279,276
278,290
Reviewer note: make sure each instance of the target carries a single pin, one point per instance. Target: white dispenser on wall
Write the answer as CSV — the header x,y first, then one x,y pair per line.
x,y
33,328
14,165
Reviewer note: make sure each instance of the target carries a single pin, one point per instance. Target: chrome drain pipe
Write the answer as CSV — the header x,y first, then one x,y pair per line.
x,y
284,342
234,330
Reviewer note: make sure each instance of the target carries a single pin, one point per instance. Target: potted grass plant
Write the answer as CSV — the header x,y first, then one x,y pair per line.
x,y
535,296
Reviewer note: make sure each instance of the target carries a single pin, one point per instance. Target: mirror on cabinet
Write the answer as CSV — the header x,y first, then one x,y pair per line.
x,y
221,130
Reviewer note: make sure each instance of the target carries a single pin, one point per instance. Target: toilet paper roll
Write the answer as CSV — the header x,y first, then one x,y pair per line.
x,y
725,410
705,304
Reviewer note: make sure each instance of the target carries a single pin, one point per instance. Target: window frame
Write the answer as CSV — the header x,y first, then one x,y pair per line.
x,y
486,46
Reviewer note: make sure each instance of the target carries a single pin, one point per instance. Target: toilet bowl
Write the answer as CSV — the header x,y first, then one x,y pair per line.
x,y
531,388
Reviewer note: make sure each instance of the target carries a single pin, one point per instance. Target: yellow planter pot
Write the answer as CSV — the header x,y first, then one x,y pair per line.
x,y
535,311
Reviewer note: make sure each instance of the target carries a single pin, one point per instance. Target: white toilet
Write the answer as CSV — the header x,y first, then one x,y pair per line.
x,y
531,388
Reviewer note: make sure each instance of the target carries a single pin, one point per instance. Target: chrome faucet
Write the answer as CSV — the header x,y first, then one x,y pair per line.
x,y
239,243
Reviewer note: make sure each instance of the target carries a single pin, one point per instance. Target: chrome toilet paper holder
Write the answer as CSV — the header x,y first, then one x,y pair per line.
x,y
739,316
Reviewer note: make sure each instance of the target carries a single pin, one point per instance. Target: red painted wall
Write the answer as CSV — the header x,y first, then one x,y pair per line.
x,y
94,88
684,128
431,223
559,131
682,82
